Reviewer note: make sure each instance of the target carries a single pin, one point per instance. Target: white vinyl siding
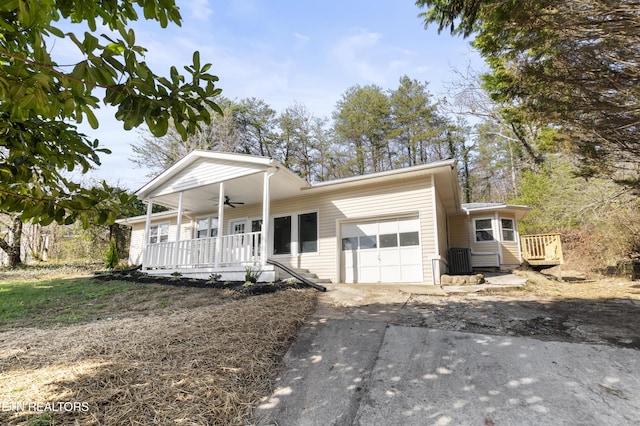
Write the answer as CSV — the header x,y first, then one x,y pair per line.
x,y
458,227
487,252
413,197
409,197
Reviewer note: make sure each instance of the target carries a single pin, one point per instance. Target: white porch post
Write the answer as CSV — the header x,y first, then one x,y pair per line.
x,y
218,253
266,204
147,229
176,251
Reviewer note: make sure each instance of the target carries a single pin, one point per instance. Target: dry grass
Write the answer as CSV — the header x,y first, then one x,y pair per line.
x,y
202,365
575,285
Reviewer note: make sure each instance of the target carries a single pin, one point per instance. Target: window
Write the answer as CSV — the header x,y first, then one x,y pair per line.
x,y
282,235
350,243
368,242
206,227
409,239
301,229
308,232
159,233
508,230
388,240
484,230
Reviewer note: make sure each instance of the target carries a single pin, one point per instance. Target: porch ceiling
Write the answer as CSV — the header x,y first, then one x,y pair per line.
x,y
199,175
245,189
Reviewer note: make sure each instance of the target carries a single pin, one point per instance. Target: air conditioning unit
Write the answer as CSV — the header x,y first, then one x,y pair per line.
x,y
460,261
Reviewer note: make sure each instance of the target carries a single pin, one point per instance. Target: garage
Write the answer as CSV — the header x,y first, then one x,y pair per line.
x,y
381,251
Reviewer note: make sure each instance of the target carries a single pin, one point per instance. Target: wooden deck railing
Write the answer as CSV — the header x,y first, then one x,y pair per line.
x,y
542,249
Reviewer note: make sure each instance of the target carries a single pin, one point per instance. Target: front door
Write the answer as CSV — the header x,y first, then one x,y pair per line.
x,y
237,226
237,241
246,248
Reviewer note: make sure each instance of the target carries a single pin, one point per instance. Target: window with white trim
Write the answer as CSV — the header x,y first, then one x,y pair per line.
x,y
159,233
295,231
206,227
483,230
508,230
308,232
282,235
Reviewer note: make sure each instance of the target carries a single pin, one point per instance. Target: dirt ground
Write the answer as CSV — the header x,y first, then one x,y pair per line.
x,y
577,309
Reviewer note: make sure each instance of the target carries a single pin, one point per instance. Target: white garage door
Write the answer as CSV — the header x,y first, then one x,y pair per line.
x,y
382,251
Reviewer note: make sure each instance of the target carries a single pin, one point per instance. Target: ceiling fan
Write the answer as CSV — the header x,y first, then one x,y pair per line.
x,y
230,203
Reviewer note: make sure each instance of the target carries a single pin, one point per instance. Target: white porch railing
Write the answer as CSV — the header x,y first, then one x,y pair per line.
x,y
223,251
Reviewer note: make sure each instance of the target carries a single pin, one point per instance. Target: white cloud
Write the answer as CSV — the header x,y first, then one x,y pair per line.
x,y
199,9
352,54
301,40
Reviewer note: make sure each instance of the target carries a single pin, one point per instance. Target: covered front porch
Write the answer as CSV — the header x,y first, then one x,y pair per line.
x,y
220,221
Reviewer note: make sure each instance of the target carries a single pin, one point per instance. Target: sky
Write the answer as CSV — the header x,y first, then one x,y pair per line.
x,y
286,52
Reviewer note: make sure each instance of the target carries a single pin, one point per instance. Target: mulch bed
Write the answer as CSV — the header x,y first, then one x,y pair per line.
x,y
195,366
181,281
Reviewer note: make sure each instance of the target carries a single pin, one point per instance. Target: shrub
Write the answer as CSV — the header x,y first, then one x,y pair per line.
x,y
112,256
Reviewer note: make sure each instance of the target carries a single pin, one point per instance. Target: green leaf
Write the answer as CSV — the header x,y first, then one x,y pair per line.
x,y
90,42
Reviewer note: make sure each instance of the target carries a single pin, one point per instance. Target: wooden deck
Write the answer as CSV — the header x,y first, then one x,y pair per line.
x,y
542,249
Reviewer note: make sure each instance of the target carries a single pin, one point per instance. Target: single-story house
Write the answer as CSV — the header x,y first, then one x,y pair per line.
x,y
229,212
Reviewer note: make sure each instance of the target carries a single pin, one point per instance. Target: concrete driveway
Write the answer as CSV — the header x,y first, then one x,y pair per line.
x,y
351,366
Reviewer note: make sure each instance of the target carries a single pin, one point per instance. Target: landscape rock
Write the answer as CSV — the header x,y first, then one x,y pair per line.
x,y
461,279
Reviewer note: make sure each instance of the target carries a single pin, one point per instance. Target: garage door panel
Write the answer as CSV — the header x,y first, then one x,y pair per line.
x,y
388,227
368,258
408,225
350,230
389,274
410,252
368,228
369,274
389,257
411,273
386,251
349,258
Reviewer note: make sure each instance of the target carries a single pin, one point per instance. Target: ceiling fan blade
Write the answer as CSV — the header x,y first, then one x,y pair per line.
x,y
230,203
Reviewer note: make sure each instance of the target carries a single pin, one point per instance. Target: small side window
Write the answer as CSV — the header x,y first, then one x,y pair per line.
x,y
508,230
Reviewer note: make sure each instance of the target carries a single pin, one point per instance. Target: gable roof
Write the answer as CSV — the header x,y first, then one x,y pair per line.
x,y
200,173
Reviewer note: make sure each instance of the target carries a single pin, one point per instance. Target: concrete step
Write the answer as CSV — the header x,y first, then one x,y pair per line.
x,y
306,274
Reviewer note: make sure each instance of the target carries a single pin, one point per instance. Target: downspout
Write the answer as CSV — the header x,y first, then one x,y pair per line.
x,y
176,250
147,231
435,271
